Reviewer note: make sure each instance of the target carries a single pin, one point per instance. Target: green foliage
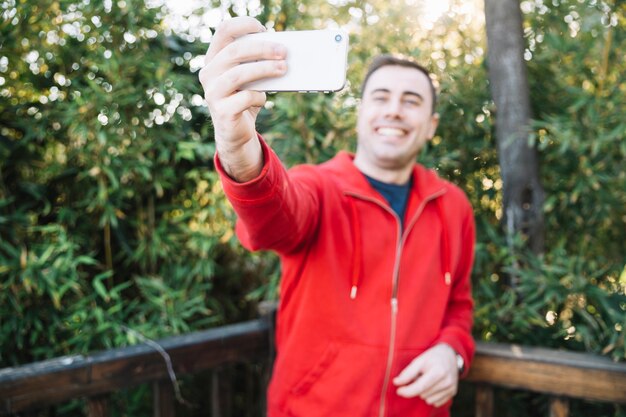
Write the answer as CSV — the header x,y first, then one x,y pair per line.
x,y
109,212
578,91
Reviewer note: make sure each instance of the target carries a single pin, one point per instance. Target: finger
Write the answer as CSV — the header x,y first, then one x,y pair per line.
x,y
250,49
442,386
247,51
440,398
229,31
242,101
234,79
410,373
419,386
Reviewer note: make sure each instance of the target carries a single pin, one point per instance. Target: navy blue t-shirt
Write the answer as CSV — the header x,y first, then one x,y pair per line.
x,y
397,195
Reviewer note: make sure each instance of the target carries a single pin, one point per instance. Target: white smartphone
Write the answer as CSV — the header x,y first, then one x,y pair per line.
x,y
317,60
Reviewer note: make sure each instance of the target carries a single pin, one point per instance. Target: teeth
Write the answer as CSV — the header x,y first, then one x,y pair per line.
x,y
390,131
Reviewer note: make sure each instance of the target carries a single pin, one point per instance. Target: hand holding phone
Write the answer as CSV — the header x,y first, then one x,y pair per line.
x,y
316,61
228,65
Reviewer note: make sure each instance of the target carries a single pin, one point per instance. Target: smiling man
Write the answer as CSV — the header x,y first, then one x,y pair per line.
x,y
375,309
396,119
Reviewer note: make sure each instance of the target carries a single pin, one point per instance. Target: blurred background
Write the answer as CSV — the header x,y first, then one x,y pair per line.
x,y
111,214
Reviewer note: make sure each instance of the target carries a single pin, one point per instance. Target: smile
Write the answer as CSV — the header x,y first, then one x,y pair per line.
x,y
390,131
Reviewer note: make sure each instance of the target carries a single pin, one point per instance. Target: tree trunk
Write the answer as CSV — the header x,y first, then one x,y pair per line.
x,y
519,166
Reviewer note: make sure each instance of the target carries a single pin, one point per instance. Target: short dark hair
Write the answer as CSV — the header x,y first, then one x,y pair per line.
x,y
398,61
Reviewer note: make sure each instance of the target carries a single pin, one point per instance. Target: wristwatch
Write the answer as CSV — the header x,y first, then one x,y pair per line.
x,y
460,363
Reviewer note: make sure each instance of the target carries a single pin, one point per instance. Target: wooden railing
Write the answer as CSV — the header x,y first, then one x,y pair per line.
x,y
95,377
559,374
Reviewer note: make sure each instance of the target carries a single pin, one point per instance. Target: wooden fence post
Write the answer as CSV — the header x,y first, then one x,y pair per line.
x,y
484,400
559,407
98,406
216,409
163,394
221,392
267,311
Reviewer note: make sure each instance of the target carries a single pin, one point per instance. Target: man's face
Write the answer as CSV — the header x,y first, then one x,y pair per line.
x,y
395,119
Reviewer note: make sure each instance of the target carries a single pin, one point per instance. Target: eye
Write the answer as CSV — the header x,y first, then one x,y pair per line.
x,y
413,101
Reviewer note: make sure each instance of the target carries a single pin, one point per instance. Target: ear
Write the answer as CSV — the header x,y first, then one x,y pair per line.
x,y
434,122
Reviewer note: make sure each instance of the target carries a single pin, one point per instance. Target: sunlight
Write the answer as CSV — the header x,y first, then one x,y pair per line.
x,y
432,10
192,19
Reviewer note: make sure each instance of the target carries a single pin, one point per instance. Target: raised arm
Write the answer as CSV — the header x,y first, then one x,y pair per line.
x,y
228,65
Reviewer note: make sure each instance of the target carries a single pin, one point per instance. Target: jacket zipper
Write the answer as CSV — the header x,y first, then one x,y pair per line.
x,y
394,319
394,284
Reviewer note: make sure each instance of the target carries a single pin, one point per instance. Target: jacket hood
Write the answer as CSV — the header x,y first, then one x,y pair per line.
x,y
426,184
425,181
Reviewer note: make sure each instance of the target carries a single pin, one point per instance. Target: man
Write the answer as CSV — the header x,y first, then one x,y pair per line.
x,y
375,305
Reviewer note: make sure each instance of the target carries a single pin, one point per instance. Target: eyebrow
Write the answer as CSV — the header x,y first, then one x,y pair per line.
x,y
404,93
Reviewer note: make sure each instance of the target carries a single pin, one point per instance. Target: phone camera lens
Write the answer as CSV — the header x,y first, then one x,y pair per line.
x,y
338,38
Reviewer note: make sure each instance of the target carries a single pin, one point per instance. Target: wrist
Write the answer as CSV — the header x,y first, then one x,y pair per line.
x,y
458,359
243,163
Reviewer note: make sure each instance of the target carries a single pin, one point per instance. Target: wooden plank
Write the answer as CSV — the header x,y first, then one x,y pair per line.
x,y
69,370
559,407
484,401
37,385
556,356
569,374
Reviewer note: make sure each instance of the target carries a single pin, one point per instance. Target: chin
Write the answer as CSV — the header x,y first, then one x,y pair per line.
x,y
396,161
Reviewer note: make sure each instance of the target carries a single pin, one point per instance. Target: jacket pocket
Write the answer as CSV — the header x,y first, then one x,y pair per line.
x,y
305,383
346,380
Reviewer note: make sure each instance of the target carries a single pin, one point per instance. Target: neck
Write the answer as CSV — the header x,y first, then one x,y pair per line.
x,y
384,174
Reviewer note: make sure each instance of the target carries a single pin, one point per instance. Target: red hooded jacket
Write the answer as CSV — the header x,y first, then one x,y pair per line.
x,y
360,298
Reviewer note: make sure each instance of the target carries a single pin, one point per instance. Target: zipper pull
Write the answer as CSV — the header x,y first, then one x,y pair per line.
x,y
448,278
394,305
353,292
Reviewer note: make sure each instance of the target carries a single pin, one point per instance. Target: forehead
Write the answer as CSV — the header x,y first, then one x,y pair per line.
x,y
399,79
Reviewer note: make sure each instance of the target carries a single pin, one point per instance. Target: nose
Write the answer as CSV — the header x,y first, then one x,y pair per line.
x,y
393,109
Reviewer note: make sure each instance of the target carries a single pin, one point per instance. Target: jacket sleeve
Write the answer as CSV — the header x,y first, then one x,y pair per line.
x,y
274,211
457,325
